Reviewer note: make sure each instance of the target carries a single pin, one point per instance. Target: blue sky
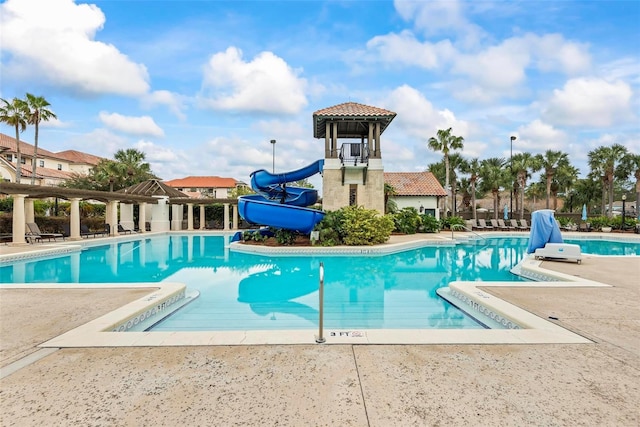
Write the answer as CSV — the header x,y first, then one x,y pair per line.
x,y
202,86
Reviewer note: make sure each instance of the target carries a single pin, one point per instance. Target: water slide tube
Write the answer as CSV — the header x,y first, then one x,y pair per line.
x,y
280,206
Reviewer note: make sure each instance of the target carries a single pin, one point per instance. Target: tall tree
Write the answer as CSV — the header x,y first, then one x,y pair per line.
x,y
631,164
472,167
565,177
446,142
127,168
38,111
609,161
495,176
14,114
524,164
457,163
550,162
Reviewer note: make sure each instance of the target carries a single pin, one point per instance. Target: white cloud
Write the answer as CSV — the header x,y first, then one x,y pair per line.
x,y
265,84
99,142
537,137
54,40
437,17
590,102
405,49
144,125
418,117
174,102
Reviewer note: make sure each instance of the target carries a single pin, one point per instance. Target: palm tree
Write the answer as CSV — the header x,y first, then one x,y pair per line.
x,y
37,113
472,167
457,163
494,176
608,161
524,164
565,178
534,191
631,164
550,163
14,113
446,142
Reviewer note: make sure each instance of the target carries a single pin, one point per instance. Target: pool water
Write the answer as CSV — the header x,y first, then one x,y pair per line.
x,y
257,292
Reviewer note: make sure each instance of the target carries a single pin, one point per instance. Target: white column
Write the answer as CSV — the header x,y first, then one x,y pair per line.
x,y
235,217
112,209
142,217
29,211
160,216
74,219
126,215
190,216
176,217
18,220
226,217
202,224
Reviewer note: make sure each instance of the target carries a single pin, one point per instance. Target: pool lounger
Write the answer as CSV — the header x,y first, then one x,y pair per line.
x,y
560,251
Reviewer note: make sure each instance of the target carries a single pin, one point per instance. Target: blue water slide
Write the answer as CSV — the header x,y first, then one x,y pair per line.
x,y
280,206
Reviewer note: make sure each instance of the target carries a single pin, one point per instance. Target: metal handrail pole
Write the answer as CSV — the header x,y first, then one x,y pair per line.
x,y
320,338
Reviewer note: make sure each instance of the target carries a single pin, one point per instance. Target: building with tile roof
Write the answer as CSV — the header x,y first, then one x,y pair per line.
x,y
353,171
204,186
52,168
420,190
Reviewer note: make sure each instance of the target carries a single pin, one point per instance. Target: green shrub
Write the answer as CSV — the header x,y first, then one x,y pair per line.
x,y
599,221
285,237
255,235
407,221
365,226
331,231
429,224
452,221
629,222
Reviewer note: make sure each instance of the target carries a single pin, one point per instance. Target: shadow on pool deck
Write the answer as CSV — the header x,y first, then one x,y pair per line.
x,y
358,385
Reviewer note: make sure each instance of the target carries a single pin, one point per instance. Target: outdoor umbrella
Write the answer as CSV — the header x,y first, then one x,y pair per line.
x,y
584,212
506,212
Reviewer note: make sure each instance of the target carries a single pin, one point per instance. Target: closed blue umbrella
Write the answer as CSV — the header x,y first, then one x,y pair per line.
x,y
506,212
584,212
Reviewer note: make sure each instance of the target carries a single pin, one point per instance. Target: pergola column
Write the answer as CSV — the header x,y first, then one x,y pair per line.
x,y
202,217
176,217
226,217
142,217
29,211
190,216
112,217
235,217
126,215
74,219
372,143
334,141
18,220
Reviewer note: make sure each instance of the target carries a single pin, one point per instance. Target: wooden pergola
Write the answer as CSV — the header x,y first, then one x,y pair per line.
x,y
24,195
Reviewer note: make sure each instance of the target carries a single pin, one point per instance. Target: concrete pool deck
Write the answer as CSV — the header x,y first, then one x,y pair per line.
x,y
377,385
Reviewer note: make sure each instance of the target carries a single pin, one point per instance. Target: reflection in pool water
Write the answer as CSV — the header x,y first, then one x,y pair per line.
x,y
242,291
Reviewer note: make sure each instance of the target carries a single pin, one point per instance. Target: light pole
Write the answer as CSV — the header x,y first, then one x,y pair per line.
x,y
624,201
273,144
513,138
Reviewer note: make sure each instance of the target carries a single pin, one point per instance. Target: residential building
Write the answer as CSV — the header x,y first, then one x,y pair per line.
x,y
419,190
199,187
52,168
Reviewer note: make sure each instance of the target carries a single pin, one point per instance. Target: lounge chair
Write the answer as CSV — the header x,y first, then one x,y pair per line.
x,y
34,232
483,225
584,226
494,224
514,224
85,232
559,251
123,230
504,226
524,224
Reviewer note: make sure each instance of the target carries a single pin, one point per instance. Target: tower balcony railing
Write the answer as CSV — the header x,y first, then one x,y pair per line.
x,y
354,154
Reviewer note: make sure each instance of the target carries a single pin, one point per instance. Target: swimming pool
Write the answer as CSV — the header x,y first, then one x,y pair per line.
x,y
258,292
